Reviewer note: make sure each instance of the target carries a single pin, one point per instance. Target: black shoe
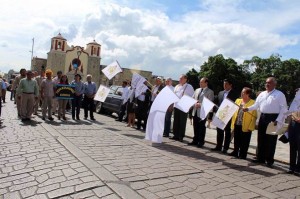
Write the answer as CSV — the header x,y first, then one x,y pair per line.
x,y
77,118
51,118
258,161
23,119
290,172
224,151
73,118
85,118
270,165
164,135
173,138
233,153
216,149
297,174
180,139
192,143
93,119
200,145
43,118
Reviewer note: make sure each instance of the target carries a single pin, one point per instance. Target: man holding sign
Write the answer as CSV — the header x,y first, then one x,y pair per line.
x,y
199,123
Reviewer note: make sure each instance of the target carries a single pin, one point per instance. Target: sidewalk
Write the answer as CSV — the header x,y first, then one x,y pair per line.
x,y
105,159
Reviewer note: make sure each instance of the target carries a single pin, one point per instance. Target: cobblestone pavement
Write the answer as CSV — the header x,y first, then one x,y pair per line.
x,y
105,159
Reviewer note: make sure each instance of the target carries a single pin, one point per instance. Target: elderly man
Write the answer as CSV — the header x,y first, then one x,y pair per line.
x,y
169,112
270,103
15,87
47,95
28,91
156,89
56,80
89,94
199,123
180,117
39,101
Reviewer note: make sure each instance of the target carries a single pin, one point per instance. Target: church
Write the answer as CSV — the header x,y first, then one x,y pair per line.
x,y
76,59
71,59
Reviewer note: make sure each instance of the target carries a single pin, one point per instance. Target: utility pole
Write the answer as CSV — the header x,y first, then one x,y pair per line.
x,y
32,51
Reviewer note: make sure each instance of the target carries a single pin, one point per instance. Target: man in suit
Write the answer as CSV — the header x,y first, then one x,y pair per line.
x,y
199,123
229,93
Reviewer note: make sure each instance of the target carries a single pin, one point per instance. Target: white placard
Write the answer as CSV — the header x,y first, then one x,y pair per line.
x,y
102,93
112,69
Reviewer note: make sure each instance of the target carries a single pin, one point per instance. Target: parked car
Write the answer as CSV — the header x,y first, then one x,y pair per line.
x,y
112,102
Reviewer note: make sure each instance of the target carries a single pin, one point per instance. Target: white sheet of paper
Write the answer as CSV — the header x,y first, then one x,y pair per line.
x,y
185,103
156,118
224,113
112,69
271,129
206,107
102,93
137,80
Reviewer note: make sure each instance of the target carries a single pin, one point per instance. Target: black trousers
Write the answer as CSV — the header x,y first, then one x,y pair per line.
x,y
179,123
199,130
122,111
167,128
241,142
294,140
76,103
88,106
220,137
141,114
266,144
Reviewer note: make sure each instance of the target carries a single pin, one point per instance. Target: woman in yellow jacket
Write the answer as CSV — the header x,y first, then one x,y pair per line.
x,y
242,124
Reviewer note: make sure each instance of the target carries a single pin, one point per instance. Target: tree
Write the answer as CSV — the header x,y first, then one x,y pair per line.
x,y
217,68
193,78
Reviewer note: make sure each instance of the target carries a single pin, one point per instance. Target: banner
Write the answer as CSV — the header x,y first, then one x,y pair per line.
x,y
102,93
206,107
64,91
156,118
140,89
224,113
112,69
137,80
185,103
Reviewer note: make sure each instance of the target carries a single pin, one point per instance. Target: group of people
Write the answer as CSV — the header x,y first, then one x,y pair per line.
x,y
33,91
251,114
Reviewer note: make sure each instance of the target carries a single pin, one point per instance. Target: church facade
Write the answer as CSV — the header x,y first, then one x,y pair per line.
x,y
71,59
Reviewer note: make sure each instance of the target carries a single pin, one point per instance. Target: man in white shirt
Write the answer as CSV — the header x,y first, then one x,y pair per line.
x,y
270,103
124,97
180,117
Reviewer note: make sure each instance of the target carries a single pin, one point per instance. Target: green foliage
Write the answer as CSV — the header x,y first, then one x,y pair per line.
x,y
252,73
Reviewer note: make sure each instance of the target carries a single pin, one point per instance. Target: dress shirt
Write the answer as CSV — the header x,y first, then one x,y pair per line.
x,y
79,87
270,103
155,90
171,87
90,88
56,80
226,93
48,87
185,89
28,86
17,82
125,94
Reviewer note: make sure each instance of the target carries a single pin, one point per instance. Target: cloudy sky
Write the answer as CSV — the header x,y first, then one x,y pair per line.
x,y
168,37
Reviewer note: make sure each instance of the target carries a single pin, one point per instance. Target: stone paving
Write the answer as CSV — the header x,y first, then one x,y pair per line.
x,y
105,159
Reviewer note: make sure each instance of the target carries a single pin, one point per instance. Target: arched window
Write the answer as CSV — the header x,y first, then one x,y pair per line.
x,y
59,45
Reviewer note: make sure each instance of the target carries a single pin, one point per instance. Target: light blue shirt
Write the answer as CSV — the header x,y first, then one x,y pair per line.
x,y
79,87
90,88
